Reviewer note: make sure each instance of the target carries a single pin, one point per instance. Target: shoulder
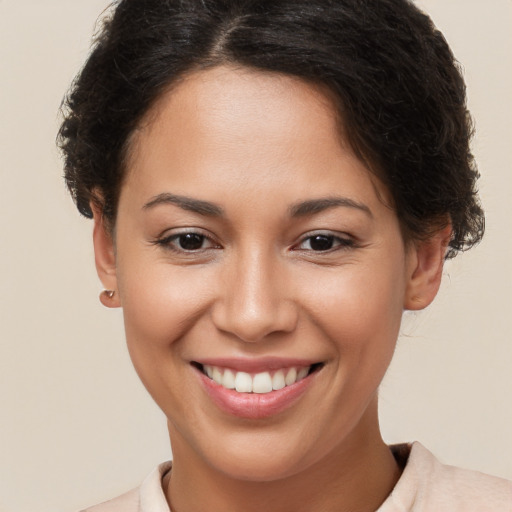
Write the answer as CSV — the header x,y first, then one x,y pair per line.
x,y
128,502
447,487
149,497
428,485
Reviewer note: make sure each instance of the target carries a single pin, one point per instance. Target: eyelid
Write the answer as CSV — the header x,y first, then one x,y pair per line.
x,y
166,238
344,240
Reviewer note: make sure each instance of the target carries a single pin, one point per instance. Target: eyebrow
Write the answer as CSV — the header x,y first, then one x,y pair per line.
x,y
301,209
313,206
186,203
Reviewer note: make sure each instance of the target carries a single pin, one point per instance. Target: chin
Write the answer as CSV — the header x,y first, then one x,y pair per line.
x,y
264,456
259,467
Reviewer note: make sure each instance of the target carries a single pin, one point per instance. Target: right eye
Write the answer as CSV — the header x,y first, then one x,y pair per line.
x,y
186,242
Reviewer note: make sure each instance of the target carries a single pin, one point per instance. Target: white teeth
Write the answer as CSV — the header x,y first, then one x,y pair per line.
x,y
243,382
217,375
262,382
291,376
228,381
302,373
278,380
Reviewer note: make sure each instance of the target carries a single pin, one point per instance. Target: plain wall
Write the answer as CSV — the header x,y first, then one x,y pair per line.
x,y
76,426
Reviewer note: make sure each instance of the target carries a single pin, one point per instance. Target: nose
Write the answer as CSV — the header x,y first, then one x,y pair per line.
x,y
255,299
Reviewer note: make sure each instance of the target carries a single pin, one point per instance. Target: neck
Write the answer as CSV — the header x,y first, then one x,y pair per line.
x,y
358,475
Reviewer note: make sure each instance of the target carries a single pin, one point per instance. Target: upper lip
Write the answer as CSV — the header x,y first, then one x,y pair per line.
x,y
256,365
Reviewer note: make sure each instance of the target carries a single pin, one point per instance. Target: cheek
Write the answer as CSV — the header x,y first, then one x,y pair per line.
x,y
359,314
161,304
160,301
358,305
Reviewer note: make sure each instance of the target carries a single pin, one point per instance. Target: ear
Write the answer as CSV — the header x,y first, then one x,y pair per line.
x,y
425,269
105,259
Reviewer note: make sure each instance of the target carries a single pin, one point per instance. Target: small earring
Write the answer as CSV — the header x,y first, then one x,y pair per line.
x,y
106,297
107,294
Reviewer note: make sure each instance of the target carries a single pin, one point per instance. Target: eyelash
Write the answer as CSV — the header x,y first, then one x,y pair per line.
x,y
337,242
167,242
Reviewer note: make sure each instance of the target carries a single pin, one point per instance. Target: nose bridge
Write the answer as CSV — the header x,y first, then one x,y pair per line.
x,y
254,301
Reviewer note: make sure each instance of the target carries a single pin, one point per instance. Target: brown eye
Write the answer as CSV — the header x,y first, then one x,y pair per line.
x,y
187,242
321,242
190,241
324,242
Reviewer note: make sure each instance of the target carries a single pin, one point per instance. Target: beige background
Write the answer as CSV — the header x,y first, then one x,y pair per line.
x,y
76,427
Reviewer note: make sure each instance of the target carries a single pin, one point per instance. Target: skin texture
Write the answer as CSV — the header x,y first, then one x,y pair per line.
x,y
255,145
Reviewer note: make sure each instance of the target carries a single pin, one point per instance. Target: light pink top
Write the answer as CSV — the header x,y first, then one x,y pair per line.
x,y
426,485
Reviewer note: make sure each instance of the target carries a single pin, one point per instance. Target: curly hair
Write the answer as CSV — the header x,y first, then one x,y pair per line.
x,y
398,90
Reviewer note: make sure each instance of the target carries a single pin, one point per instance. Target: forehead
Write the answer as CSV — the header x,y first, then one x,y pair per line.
x,y
227,127
235,102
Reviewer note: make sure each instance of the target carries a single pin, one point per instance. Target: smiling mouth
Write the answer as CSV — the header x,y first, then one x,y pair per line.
x,y
260,383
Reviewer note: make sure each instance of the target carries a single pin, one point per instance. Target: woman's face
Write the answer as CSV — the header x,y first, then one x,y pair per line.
x,y
252,245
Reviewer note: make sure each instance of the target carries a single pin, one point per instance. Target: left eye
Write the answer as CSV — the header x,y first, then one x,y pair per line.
x,y
322,243
190,241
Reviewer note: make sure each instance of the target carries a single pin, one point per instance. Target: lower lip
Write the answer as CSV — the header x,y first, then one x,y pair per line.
x,y
255,405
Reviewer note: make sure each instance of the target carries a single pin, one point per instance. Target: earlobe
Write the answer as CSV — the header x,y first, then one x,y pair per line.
x,y
425,269
105,259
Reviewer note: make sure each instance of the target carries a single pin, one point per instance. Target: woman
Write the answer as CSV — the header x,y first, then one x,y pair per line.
x,y
272,184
